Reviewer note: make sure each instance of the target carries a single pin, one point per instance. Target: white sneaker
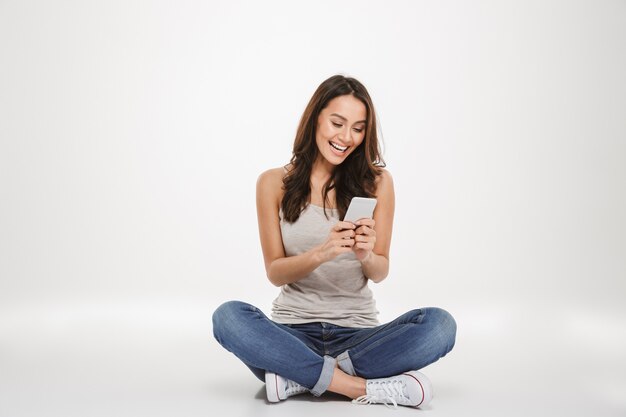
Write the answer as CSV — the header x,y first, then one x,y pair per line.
x,y
410,388
279,388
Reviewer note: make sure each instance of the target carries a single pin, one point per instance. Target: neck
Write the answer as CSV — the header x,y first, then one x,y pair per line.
x,y
322,169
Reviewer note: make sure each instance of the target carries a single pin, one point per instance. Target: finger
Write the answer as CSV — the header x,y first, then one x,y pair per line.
x,y
365,230
347,233
361,238
362,230
344,225
366,222
343,235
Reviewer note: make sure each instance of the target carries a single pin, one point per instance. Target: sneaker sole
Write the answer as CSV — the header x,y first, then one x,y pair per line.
x,y
425,386
271,387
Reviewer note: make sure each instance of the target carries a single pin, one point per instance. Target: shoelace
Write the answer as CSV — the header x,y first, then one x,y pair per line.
x,y
385,392
293,388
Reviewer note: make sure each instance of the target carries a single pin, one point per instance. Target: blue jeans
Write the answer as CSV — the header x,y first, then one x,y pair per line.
x,y
308,353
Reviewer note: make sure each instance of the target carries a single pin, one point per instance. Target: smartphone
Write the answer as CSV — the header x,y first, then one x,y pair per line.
x,y
360,208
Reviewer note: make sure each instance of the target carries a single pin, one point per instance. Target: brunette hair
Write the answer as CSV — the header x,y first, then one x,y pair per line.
x,y
355,176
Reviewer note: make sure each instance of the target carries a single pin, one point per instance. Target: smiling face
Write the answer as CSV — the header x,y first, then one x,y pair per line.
x,y
340,128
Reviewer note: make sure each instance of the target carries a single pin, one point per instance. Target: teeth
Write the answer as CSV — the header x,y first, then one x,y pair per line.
x,y
339,148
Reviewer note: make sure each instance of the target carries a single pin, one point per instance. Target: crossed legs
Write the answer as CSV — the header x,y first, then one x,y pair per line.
x,y
410,342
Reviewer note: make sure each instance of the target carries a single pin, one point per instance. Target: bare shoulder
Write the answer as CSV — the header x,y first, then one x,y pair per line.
x,y
271,175
384,182
270,184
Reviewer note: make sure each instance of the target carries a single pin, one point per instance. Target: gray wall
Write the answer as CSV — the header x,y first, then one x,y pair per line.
x,y
132,134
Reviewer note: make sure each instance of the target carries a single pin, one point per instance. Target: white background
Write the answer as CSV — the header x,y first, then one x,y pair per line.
x,y
132,134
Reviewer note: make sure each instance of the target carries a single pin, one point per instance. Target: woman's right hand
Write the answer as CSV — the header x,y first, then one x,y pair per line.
x,y
340,240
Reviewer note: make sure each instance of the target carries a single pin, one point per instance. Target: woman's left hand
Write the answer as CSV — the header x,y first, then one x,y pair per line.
x,y
364,239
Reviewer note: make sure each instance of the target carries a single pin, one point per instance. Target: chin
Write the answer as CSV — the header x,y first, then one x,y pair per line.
x,y
334,161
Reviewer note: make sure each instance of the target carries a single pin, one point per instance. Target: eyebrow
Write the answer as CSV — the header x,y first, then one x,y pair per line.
x,y
345,120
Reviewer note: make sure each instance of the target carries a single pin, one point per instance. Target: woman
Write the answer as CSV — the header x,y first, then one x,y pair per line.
x,y
324,334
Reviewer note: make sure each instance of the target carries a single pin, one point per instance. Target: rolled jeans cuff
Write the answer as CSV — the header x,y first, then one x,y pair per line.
x,y
345,363
325,377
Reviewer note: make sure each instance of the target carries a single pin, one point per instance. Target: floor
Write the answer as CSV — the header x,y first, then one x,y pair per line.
x,y
159,359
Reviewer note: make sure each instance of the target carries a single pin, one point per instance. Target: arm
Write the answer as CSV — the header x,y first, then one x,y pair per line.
x,y
377,233
283,269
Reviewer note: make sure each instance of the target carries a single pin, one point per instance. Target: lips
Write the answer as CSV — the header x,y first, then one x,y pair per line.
x,y
338,149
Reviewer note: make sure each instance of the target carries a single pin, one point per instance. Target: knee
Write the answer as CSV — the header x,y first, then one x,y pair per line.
x,y
225,316
444,326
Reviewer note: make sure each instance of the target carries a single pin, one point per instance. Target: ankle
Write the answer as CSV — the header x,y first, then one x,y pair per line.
x,y
348,385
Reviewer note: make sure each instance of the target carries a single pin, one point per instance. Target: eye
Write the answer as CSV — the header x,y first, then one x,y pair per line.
x,y
358,129
336,124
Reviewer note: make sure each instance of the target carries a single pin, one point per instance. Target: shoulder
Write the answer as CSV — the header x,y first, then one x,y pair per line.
x,y
384,182
271,176
270,182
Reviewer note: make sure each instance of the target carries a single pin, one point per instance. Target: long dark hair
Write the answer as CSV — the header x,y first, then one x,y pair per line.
x,y
355,176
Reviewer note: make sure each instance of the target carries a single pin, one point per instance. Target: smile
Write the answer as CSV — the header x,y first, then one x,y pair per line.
x,y
341,149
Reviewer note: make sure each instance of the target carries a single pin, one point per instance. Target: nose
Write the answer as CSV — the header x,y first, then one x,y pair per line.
x,y
346,136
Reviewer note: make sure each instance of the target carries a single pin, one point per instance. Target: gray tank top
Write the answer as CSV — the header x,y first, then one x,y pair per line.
x,y
336,292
